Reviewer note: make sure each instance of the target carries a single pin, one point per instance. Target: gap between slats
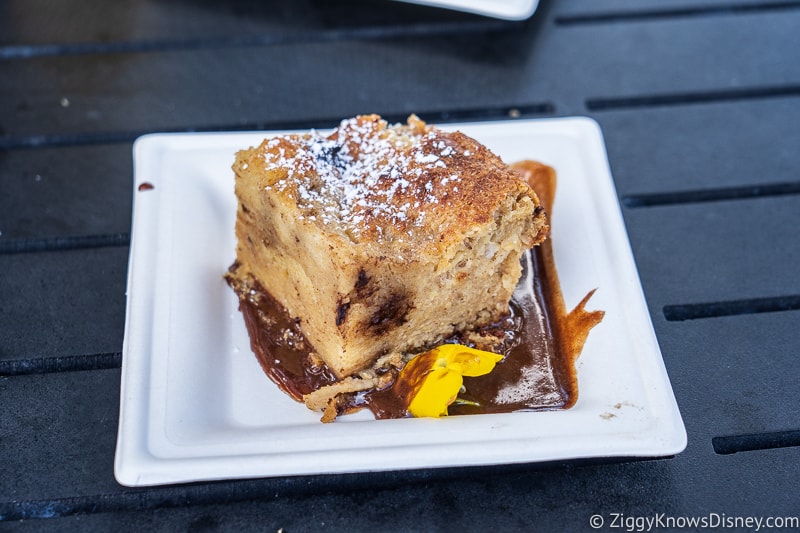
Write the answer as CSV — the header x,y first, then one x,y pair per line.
x,y
692,97
536,109
50,244
711,195
726,445
70,363
679,313
371,33
641,15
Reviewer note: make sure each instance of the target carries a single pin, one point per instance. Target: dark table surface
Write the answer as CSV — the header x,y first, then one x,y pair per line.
x,y
699,103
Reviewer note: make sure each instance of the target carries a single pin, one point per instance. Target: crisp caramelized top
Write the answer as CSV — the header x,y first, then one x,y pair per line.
x,y
402,186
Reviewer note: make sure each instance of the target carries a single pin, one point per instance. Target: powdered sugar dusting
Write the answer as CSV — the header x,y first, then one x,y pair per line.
x,y
364,176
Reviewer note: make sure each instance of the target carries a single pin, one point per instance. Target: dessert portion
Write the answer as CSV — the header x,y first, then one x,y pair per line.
x,y
378,242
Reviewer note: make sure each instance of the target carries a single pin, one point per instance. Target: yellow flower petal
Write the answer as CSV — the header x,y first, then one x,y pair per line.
x,y
469,361
433,379
437,392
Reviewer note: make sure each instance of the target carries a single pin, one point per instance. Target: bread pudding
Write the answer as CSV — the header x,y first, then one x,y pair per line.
x,y
380,239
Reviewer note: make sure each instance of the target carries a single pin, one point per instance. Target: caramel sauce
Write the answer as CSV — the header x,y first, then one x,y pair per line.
x,y
541,341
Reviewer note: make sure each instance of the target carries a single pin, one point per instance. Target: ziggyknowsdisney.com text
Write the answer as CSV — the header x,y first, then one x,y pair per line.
x,y
708,521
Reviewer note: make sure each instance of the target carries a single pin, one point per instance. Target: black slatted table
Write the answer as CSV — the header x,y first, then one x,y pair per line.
x,y
699,102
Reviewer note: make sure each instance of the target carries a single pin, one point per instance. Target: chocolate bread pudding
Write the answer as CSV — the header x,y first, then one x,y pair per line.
x,y
373,243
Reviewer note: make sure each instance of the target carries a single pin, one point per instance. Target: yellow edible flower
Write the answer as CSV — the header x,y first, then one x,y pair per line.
x,y
432,380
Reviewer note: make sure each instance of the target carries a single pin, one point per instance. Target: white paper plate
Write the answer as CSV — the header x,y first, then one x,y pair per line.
x,y
195,404
503,9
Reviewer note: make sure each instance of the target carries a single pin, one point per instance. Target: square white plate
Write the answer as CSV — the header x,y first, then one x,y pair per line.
x,y
195,404
502,9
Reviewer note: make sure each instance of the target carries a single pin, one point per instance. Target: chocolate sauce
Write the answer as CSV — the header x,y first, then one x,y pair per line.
x,y
145,186
279,345
541,341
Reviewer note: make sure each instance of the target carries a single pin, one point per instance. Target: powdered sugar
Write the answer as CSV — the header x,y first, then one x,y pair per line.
x,y
364,176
